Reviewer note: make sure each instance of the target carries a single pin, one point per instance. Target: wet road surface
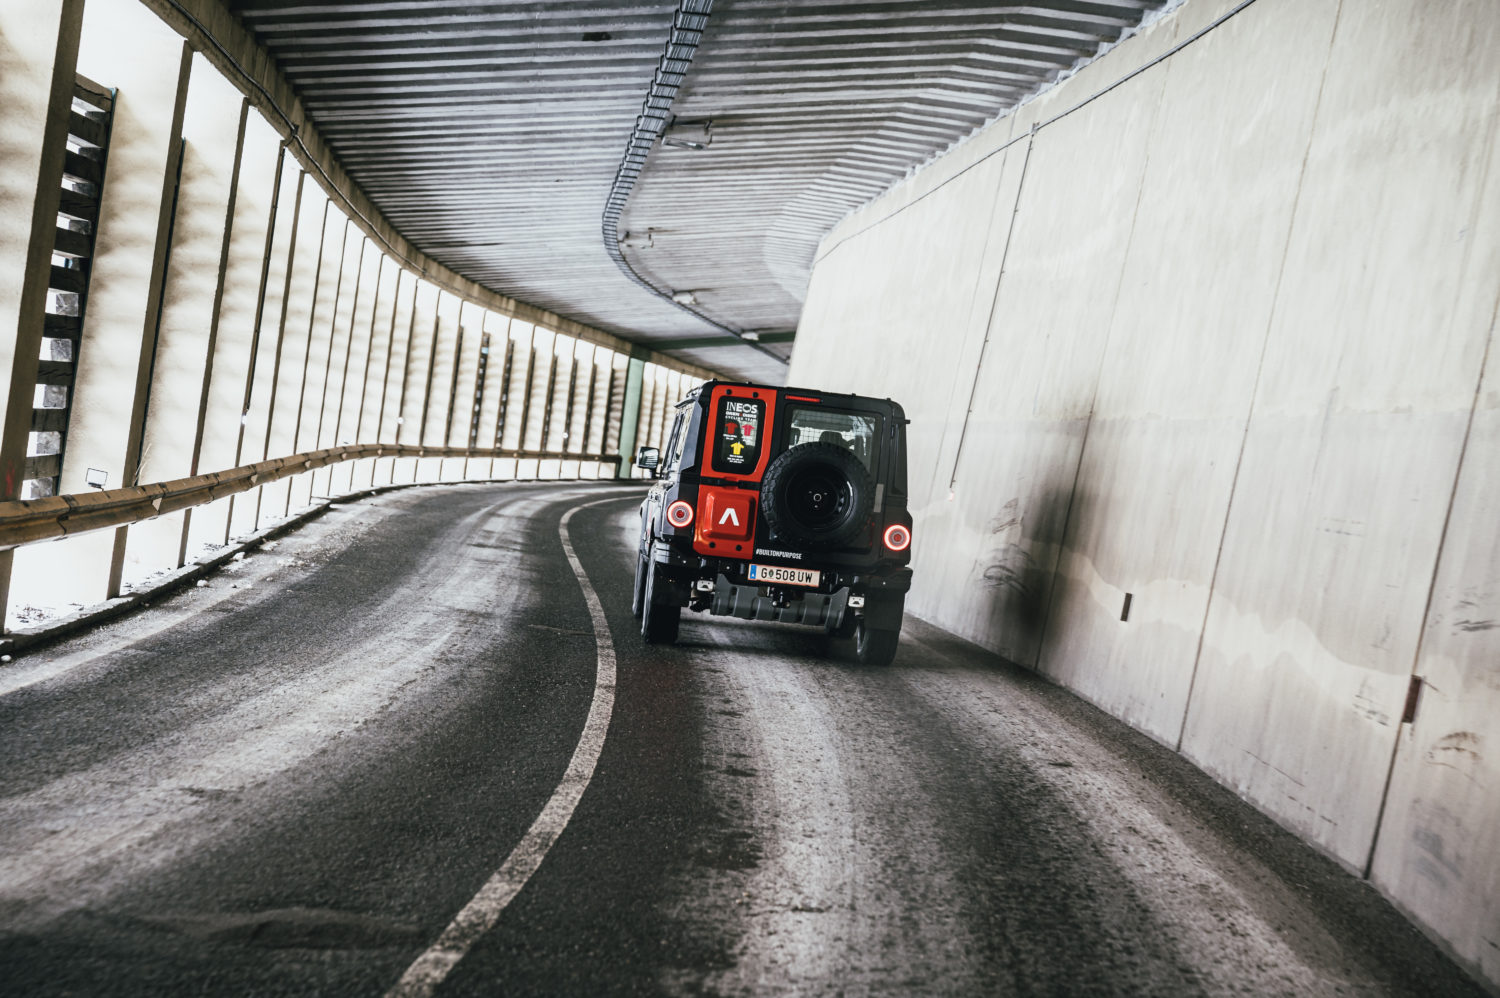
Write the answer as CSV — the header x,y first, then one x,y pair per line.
x,y
290,781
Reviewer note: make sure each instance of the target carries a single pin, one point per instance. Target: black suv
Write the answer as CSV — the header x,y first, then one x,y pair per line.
x,y
778,504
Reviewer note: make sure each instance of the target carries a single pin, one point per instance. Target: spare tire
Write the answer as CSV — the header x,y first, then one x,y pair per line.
x,y
816,496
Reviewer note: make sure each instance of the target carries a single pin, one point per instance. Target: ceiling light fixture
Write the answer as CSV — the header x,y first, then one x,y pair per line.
x,y
688,134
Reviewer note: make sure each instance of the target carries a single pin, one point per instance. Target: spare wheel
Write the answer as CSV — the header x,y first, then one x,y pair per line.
x,y
817,495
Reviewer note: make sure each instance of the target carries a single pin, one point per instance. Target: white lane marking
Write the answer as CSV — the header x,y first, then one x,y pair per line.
x,y
480,914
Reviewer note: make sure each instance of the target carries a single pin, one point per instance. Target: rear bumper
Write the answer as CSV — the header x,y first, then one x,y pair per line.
x,y
751,602
719,587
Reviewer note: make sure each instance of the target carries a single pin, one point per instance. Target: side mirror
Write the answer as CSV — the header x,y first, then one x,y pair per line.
x,y
648,459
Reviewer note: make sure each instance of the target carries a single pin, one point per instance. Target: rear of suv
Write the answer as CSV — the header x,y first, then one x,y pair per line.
x,y
778,504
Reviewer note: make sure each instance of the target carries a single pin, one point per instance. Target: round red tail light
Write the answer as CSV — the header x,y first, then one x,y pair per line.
x,y
897,537
680,513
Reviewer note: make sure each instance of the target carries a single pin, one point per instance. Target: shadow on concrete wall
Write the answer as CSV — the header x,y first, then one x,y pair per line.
x,y
1025,538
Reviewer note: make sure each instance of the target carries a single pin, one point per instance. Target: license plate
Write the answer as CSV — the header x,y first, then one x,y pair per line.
x,y
785,576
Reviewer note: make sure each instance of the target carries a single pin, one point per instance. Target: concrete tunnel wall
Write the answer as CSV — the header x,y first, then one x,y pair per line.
x,y
1218,342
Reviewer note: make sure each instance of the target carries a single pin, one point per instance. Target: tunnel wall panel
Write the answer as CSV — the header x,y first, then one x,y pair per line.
x,y
1353,447
1241,303
1228,129
1441,830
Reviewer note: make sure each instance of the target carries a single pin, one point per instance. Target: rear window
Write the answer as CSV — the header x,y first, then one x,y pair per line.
x,y
854,431
737,435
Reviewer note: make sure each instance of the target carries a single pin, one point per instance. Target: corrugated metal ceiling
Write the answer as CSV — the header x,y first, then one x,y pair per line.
x,y
490,133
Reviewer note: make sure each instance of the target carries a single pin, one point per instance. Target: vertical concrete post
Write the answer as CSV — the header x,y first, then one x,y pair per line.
x,y
540,403
465,385
650,393
340,347
497,326
515,359
513,407
614,405
525,373
393,395
577,381
564,357
248,283
584,418
415,387
320,337
186,333
130,256
470,321
259,406
630,415
438,403
285,399
369,380
38,61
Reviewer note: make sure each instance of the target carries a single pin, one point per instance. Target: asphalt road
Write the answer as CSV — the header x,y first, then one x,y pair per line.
x,y
290,782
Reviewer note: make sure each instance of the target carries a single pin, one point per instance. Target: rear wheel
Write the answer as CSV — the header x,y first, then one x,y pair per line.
x,y
879,630
638,595
659,621
844,628
875,646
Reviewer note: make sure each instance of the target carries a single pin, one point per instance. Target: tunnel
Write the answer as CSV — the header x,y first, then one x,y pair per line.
x,y
336,332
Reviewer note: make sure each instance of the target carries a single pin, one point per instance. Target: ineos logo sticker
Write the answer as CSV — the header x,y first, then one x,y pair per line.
x,y
729,517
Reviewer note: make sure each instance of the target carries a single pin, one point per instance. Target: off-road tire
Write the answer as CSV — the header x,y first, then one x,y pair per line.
x,y
659,621
844,628
874,646
638,593
879,630
817,496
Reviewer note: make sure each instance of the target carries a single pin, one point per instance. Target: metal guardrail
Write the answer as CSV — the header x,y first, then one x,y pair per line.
x,y
24,521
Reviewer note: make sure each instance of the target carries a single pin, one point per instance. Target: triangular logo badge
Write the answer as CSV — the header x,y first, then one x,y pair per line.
x,y
729,517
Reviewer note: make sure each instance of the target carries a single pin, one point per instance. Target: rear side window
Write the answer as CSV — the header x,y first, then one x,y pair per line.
x,y
737,435
674,446
858,432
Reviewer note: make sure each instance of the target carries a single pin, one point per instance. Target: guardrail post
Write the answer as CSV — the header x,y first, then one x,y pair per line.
x,y
38,62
